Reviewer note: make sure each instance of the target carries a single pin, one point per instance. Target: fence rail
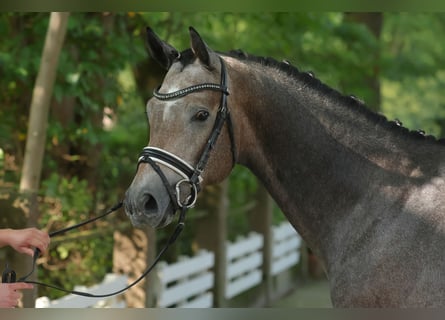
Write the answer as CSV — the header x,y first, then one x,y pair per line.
x,y
244,259
188,283
285,249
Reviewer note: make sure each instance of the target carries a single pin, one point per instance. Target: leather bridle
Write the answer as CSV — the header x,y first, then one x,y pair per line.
x,y
191,176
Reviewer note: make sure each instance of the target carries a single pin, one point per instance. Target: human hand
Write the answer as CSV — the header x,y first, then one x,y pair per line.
x,y
9,296
23,240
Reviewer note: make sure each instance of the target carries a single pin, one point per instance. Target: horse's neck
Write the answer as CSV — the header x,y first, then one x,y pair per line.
x,y
322,162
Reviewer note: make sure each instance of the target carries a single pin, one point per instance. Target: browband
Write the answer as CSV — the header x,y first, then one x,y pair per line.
x,y
188,90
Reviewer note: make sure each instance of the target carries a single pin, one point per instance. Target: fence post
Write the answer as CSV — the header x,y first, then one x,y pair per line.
x,y
260,220
211,234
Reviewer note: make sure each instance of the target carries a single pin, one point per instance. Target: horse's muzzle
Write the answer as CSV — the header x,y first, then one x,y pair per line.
x,y
146,209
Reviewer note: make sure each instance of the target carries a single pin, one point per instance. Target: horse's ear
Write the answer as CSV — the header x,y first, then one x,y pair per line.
x,y
199,47
161,51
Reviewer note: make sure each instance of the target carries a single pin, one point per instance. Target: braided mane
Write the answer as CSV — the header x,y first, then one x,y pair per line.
x,y
349,101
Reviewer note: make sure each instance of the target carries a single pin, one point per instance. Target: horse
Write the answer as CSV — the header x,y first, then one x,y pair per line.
x,y
365,193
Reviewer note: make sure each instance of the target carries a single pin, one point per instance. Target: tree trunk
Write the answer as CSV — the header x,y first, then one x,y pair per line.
x,y
260,220
38,121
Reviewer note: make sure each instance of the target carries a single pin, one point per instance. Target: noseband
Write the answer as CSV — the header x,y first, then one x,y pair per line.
x,y
191,175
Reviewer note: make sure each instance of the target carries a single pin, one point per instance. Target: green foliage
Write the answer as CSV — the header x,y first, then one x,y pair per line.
x,y
242,187
71,197
414,71
20,50
71,262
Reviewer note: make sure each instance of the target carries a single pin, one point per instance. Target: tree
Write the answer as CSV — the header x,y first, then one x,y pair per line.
x,y
38,122
374,23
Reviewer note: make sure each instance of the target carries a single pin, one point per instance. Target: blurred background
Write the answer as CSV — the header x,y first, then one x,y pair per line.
x,y
96,127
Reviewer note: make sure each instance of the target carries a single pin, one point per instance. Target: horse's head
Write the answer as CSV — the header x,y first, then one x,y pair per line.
x,y
186,115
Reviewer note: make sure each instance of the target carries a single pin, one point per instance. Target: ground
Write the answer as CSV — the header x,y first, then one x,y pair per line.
x,y
311,294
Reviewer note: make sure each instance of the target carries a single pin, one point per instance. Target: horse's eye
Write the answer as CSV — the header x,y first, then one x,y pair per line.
x,y
202,115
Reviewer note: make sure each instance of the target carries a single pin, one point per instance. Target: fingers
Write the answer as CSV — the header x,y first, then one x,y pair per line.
x,y
41,240
20,286
10,294
9,302
27,251
33,237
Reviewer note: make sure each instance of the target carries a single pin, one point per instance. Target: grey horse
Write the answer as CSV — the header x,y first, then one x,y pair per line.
x,y
366,194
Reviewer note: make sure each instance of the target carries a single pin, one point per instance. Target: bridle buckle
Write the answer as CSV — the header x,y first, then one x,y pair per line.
x,y
190,200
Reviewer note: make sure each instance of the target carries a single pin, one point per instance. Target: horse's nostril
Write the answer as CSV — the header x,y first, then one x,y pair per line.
x,y
150,205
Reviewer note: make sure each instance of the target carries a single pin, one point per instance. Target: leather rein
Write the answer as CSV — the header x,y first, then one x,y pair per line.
x,y
155,156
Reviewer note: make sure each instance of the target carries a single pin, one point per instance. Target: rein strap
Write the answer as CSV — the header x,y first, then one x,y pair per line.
x,y
153,156
9,276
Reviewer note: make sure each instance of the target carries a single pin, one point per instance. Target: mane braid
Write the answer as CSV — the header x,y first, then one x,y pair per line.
x,y
349,101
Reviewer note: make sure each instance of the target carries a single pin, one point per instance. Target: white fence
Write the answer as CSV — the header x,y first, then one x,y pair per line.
x,y
285,249
112,282
188,283
244,260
